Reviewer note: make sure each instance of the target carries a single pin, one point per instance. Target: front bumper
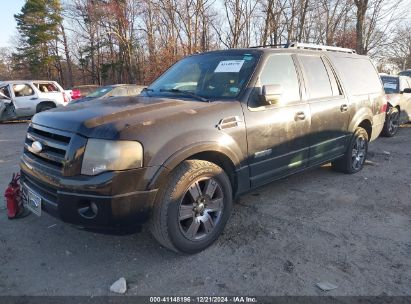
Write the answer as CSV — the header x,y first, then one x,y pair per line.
x,y
68,198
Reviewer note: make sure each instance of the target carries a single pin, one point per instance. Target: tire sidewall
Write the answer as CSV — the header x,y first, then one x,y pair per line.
x,y
390,113
174,198
360,132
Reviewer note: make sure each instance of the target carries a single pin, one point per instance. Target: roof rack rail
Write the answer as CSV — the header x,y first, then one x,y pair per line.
x,y
284,45
318,47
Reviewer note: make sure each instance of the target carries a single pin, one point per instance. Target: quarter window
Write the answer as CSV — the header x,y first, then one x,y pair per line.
x,y
316,77
21,90
280,69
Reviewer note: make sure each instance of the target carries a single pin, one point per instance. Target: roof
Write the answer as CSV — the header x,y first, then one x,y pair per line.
x,y
23,81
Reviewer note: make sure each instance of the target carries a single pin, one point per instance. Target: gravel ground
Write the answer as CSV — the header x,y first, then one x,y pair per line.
x,y
353,231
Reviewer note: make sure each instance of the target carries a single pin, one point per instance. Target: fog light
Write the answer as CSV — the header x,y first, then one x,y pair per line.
x,y
88,210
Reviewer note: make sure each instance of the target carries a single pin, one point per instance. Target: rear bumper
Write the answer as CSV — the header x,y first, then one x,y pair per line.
x,y
377,126
110,211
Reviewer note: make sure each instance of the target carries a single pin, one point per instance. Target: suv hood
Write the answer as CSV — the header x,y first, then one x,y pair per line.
x,y
108,118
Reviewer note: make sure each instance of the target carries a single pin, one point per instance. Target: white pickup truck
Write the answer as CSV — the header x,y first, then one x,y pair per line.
x,y
24,98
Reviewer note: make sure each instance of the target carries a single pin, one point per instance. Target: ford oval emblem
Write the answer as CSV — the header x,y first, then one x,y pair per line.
x,y
36,147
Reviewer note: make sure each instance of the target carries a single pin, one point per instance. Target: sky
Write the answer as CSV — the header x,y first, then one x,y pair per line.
x,y
7,22
10,7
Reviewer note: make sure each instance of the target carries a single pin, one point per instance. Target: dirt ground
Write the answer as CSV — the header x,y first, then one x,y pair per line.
x,y
353,231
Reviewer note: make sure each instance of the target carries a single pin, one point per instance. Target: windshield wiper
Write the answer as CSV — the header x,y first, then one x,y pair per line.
x,y
188,93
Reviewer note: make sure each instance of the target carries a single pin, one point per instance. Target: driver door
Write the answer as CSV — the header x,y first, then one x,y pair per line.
x,y
277,134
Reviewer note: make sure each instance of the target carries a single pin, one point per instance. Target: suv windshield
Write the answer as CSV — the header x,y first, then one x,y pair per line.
x,y
391,84
220,75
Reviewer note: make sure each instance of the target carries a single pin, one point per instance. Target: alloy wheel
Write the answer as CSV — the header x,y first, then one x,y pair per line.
x,y
358,152
201,208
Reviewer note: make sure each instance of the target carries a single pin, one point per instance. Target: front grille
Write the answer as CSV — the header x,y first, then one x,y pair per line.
x,y
54,147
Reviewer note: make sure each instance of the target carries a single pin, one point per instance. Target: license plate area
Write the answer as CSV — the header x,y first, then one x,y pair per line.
x,y
32,200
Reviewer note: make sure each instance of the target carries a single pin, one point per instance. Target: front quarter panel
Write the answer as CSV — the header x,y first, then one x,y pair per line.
x,y
166,140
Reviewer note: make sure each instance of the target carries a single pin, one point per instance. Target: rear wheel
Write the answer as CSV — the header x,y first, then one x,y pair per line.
x,y
192,210
356,154
392,122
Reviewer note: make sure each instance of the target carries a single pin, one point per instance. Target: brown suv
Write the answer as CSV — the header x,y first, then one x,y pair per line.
x,y
214,126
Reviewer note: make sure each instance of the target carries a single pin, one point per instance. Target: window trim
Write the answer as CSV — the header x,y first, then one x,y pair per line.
x,y
27,84
327,65
300,80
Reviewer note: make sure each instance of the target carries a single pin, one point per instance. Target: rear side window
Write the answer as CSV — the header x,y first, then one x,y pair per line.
x,y
319,82
133,91
46,87
359,75
280,69
119,92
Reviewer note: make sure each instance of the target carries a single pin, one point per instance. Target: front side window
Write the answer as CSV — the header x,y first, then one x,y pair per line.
x,y
391,84
280,70
316,77
219,75
22,90
5,91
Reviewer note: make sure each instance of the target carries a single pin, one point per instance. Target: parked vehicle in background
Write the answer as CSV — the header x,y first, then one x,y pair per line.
x,y
405,73
77,92
114,90
178,157
24,98
398,92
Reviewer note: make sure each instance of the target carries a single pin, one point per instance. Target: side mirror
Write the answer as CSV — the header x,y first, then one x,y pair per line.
x,y
407,91
272,93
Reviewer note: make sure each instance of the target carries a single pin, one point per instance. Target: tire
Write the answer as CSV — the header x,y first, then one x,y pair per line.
x,y
46,107
392,122
354,159
192,209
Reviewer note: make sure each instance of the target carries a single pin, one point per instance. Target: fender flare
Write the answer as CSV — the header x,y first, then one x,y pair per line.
x,y
179,156
44,102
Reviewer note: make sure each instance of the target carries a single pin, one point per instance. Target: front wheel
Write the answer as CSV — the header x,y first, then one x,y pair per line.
x,y
354,159
392,122
190,213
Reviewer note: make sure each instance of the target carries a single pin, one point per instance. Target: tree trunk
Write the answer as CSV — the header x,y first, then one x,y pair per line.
x,y
67,54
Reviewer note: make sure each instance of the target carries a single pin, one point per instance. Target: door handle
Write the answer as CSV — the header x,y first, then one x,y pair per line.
x,y
344,108
299,116
33,98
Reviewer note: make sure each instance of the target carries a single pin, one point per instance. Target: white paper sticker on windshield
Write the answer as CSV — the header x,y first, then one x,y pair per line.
x,y
229,66
390,85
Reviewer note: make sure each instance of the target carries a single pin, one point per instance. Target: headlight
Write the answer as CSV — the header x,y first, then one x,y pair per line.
x,y
108,155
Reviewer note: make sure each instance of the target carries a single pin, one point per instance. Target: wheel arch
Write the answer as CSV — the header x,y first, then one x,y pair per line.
x,y
211,152
363,118
45,102
366,124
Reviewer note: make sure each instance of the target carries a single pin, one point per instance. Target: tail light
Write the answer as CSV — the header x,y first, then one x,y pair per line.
x,y
75,94
65,98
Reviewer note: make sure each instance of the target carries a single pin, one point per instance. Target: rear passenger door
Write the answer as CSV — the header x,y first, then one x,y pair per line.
x,y
277,133
329,109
